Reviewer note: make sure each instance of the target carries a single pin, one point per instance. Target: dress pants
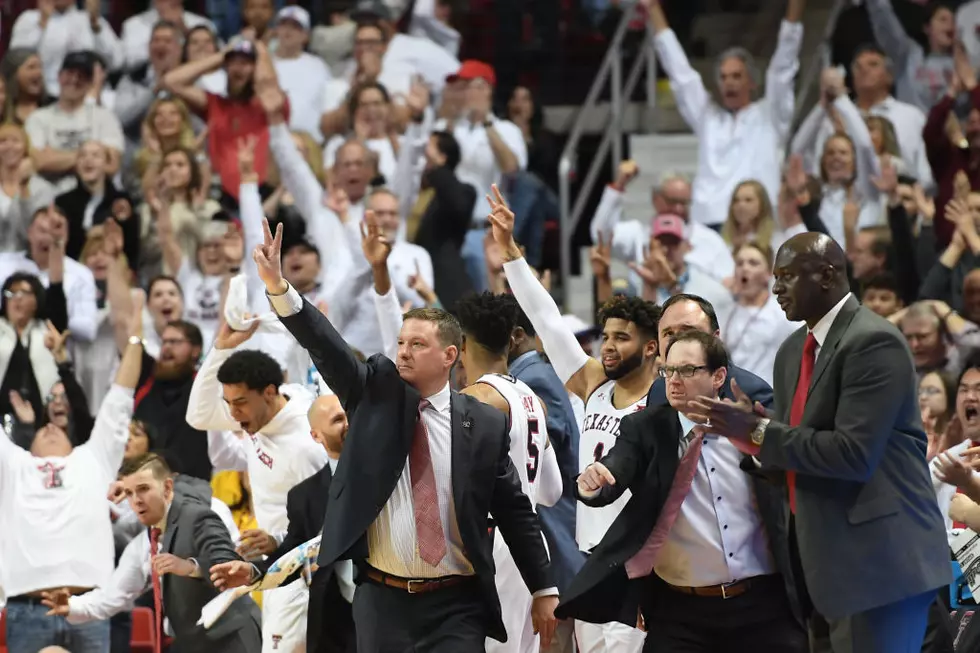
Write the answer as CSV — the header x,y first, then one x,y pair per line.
x,y
894,628
758,620
390,620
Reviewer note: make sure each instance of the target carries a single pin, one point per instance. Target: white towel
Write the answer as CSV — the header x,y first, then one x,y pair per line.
x,y
236,309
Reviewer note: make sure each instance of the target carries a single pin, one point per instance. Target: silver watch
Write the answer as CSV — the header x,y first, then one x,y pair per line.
x,y
135,340
759,434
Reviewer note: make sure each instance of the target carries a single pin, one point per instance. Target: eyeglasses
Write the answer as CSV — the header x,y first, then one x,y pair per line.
x,y
930,391
54,395
173,342
17,294
685,371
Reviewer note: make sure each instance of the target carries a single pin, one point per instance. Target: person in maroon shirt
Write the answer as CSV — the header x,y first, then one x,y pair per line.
x,y
248,67
946,157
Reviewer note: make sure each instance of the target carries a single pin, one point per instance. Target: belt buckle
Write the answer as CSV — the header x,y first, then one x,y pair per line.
x,y
724,590
408,586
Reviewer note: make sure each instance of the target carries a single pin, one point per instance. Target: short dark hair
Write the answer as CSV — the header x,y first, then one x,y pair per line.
x,y
154,461
190,331
488,319
448,146
972,363
168,24
160,278
882,234
715,354
881,281
370,21
450,333
644,314
36,287
256,369
520,317
705,305
354,98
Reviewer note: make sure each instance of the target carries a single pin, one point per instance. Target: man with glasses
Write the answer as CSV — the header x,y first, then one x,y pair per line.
x,y
692,534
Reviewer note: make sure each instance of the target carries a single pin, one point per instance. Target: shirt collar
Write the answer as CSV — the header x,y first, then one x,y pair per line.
x,y
822,328
440,400
686,424
522,357
163,522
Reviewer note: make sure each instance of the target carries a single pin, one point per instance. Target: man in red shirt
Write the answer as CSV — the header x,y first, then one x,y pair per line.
x,y
248,67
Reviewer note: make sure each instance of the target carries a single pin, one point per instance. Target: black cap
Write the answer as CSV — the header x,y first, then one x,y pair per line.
x,y
83,61
370,10
305,243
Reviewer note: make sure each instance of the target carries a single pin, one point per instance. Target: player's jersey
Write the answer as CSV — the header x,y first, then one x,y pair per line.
x,y
528,431
599,431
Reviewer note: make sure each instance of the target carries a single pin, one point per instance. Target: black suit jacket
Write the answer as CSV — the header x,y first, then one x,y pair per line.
x,y
193,531
382,410
306,504
73,204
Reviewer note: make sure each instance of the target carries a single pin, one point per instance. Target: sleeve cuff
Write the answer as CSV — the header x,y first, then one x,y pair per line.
x,y
197,568
548,591
287,304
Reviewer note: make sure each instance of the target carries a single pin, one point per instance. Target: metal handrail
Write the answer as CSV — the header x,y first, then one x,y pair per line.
x,y
819,60
611,68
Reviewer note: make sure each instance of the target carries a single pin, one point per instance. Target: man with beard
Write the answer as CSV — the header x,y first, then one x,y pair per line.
x,y
611,389
239,115
161,400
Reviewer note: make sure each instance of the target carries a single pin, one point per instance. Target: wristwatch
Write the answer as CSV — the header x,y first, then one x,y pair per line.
x,y
135,340
487,124
759,434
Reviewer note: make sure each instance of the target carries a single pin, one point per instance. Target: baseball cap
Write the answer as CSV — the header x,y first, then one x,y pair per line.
x,y
241,46
296,14
668,225
473,69
81,60
368,9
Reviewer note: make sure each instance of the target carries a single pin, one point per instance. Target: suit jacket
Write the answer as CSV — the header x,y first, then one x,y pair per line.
x,y
193,531
557,521
306,504
867,524
382,410
441,231
644,460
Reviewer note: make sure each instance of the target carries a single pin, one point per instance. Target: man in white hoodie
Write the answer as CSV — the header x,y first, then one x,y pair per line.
x,y
242,390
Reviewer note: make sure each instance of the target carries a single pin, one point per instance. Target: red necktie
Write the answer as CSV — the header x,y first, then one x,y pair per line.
x,y
799,403
157,592
642,563
428,525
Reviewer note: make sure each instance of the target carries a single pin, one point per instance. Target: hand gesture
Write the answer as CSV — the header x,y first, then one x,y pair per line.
x,y
374,243
246,157
887,183
23,410
255,543
796,178
961,508
418,97
337,201
227,575
122,210
56,601
25,170
501,220
272,99
655,270
116,492
136,317
493,254
961,185
600,256
112,238
595,477
924,204
418,284
167,563
953,470
368,68
268,260
852,211
543,618
228,338
627,173
55,342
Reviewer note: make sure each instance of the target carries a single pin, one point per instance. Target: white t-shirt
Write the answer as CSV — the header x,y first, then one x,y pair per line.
x,y
54,522
202,300
304,79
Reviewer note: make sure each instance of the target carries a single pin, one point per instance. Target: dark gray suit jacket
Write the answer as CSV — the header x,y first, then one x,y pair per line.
x,y
194,531
867,523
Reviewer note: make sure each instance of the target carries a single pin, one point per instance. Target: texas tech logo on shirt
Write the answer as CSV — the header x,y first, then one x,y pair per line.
x,y
52,475
601,422
275,642
264,457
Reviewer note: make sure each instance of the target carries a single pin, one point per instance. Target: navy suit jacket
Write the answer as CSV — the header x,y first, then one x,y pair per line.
x,y
557,521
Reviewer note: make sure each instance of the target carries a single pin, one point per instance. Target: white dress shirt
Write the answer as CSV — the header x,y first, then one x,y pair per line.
x,y
734,146
55,526
944,491
718,537
343,568
79,286
821,330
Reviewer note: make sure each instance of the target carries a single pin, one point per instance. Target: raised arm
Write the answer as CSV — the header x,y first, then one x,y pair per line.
x,y
781,74
376,250
206,410
333,357
181,81
580,373
693,99
626,237
889,33
867,165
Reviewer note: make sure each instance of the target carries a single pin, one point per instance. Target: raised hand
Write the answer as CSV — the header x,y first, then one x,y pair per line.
x,y
228,338
627,173
887,183
23,410
136,317
418,97
501,220
925,204
246,157
112,238
600,256
374,243
55,342
795,175
268,260
655,270
272,100
337,201
418,284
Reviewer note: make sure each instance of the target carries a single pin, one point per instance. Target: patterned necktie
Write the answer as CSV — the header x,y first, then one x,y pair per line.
x,y
641,564
799,403
428,526
157,592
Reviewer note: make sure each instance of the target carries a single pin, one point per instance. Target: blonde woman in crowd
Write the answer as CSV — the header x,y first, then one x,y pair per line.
x,y
18,185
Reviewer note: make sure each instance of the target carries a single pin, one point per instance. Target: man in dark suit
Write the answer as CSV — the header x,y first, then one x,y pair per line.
x,y
690,549
423,467
184,539
330,625
685,311
846,430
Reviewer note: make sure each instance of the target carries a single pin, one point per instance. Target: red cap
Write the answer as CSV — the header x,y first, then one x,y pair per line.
x,y
668,225
473,69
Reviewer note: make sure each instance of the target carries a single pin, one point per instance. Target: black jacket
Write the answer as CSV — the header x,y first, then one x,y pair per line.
x,y
73,204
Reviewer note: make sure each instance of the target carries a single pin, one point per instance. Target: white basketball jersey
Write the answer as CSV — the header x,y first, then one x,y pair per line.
x,y
598,435
528,430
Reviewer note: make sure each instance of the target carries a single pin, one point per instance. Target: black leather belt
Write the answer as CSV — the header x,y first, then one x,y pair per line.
x,y
412,585
727,591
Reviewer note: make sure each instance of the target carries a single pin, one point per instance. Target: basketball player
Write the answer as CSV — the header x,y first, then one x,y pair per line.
x,y
487,322
611,388
242,390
